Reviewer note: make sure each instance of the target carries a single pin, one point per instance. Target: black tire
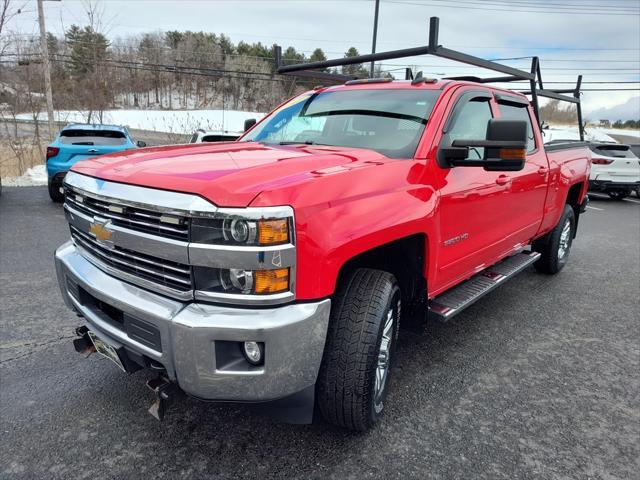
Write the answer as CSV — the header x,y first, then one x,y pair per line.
x,y
54,192
638,192
552,259
619,194
346,388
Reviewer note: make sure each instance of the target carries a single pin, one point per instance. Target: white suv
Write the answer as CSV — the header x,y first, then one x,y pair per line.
x,y
615,170
205,136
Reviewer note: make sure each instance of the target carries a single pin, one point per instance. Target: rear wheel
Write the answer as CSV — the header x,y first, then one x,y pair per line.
x,y
638,191
619,194
54,191
354,376
556,246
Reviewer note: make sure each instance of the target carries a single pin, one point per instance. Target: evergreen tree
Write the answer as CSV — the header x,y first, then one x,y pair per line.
x,y
356,70
88,49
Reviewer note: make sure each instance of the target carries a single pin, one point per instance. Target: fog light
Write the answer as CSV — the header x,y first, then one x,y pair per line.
x,y
253,352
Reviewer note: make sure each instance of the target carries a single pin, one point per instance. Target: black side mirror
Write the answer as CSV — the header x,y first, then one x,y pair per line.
x,y
248,123
504,148
141,144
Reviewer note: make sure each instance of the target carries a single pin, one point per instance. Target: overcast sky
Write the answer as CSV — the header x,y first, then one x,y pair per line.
x,y
600,39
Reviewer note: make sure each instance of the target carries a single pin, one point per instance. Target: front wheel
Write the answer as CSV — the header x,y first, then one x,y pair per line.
x,y
619,194
556,246
354,375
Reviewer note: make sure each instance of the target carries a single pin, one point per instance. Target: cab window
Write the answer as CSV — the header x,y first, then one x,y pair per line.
x,y
471,124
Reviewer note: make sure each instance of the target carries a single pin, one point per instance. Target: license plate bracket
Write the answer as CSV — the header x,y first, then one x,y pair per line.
x,y
106,350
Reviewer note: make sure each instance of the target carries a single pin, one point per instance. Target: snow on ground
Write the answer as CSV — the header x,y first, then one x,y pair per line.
x,y
621,131
570,132
34,176
591,135
171,121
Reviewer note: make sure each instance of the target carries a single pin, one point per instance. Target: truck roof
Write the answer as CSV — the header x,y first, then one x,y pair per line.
x,y
429,84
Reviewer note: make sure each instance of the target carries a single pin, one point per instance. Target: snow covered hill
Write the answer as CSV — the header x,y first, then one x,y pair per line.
x,y
171,121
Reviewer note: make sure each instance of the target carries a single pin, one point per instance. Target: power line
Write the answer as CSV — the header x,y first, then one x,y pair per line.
x,y
538,5
510,10
161,70
444,66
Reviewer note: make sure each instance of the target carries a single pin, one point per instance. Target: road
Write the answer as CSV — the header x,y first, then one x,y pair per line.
x,y
540,379
26,130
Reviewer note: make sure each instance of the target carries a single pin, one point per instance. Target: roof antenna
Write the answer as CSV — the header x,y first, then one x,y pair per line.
x,y
418,78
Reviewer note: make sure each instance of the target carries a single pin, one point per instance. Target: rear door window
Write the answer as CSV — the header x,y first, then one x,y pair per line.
x,y
513,112
92,137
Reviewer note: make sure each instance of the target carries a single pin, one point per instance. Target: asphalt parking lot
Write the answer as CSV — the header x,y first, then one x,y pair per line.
x,y
540,379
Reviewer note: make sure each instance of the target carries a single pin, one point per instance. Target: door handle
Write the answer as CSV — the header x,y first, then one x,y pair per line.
x,y
503,180
543,170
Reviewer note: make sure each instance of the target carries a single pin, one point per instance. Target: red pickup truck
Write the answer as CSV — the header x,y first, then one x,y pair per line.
x,y
278,269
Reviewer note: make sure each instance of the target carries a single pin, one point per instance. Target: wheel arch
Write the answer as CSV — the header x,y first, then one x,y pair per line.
x,y
574,195
405,258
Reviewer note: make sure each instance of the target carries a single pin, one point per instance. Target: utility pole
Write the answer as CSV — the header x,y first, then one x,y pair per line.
x,y
375,35
44,50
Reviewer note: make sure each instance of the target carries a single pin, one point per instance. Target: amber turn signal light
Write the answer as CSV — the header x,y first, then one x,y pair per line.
x,y
273,231
513,154
271,281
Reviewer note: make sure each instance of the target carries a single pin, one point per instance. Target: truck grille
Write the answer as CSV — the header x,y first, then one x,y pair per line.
x,y
161,272
134,218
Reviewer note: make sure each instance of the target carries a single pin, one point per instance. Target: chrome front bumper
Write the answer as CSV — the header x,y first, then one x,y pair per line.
x,y
293,335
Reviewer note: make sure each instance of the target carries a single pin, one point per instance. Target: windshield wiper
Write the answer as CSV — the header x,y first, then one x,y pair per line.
x,y
305,142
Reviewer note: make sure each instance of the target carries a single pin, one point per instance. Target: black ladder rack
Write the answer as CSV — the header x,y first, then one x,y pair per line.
x,y
511,74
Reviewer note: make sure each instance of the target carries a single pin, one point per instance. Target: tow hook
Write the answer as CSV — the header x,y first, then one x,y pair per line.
x,y
167,392
84,343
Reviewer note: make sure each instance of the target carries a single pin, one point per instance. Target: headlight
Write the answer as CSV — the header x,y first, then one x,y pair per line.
x,y
234,280
244,255
236,230
238,279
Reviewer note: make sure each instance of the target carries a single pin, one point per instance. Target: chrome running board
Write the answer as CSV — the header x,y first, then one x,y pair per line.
x,y
453,301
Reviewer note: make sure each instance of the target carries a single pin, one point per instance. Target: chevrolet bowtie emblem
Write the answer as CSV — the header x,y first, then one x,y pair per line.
x,y
102,233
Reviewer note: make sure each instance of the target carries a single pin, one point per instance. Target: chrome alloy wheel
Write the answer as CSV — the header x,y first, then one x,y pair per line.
x,y
565,240
384,357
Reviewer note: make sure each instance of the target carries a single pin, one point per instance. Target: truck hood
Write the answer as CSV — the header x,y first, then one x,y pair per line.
x,y
227,174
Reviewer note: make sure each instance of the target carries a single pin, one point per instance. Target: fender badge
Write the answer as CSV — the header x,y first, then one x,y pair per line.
x,y
457,239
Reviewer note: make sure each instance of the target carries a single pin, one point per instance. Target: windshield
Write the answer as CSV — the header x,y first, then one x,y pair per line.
x,y
388,121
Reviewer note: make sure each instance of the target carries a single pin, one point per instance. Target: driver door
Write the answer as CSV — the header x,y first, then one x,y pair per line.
x,y
473,202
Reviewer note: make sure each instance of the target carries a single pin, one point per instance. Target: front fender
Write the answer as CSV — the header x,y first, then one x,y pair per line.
x,y
341,216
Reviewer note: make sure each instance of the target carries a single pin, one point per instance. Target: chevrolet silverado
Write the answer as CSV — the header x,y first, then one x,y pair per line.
x,y
278,269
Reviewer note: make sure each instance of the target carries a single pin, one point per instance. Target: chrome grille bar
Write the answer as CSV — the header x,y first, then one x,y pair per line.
x,y
161,272
137,257
153,223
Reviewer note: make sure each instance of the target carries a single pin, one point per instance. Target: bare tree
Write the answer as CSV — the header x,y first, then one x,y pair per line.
x,y
8,10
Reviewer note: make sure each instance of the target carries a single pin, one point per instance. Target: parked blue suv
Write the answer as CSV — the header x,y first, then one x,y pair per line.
x,y
77,142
